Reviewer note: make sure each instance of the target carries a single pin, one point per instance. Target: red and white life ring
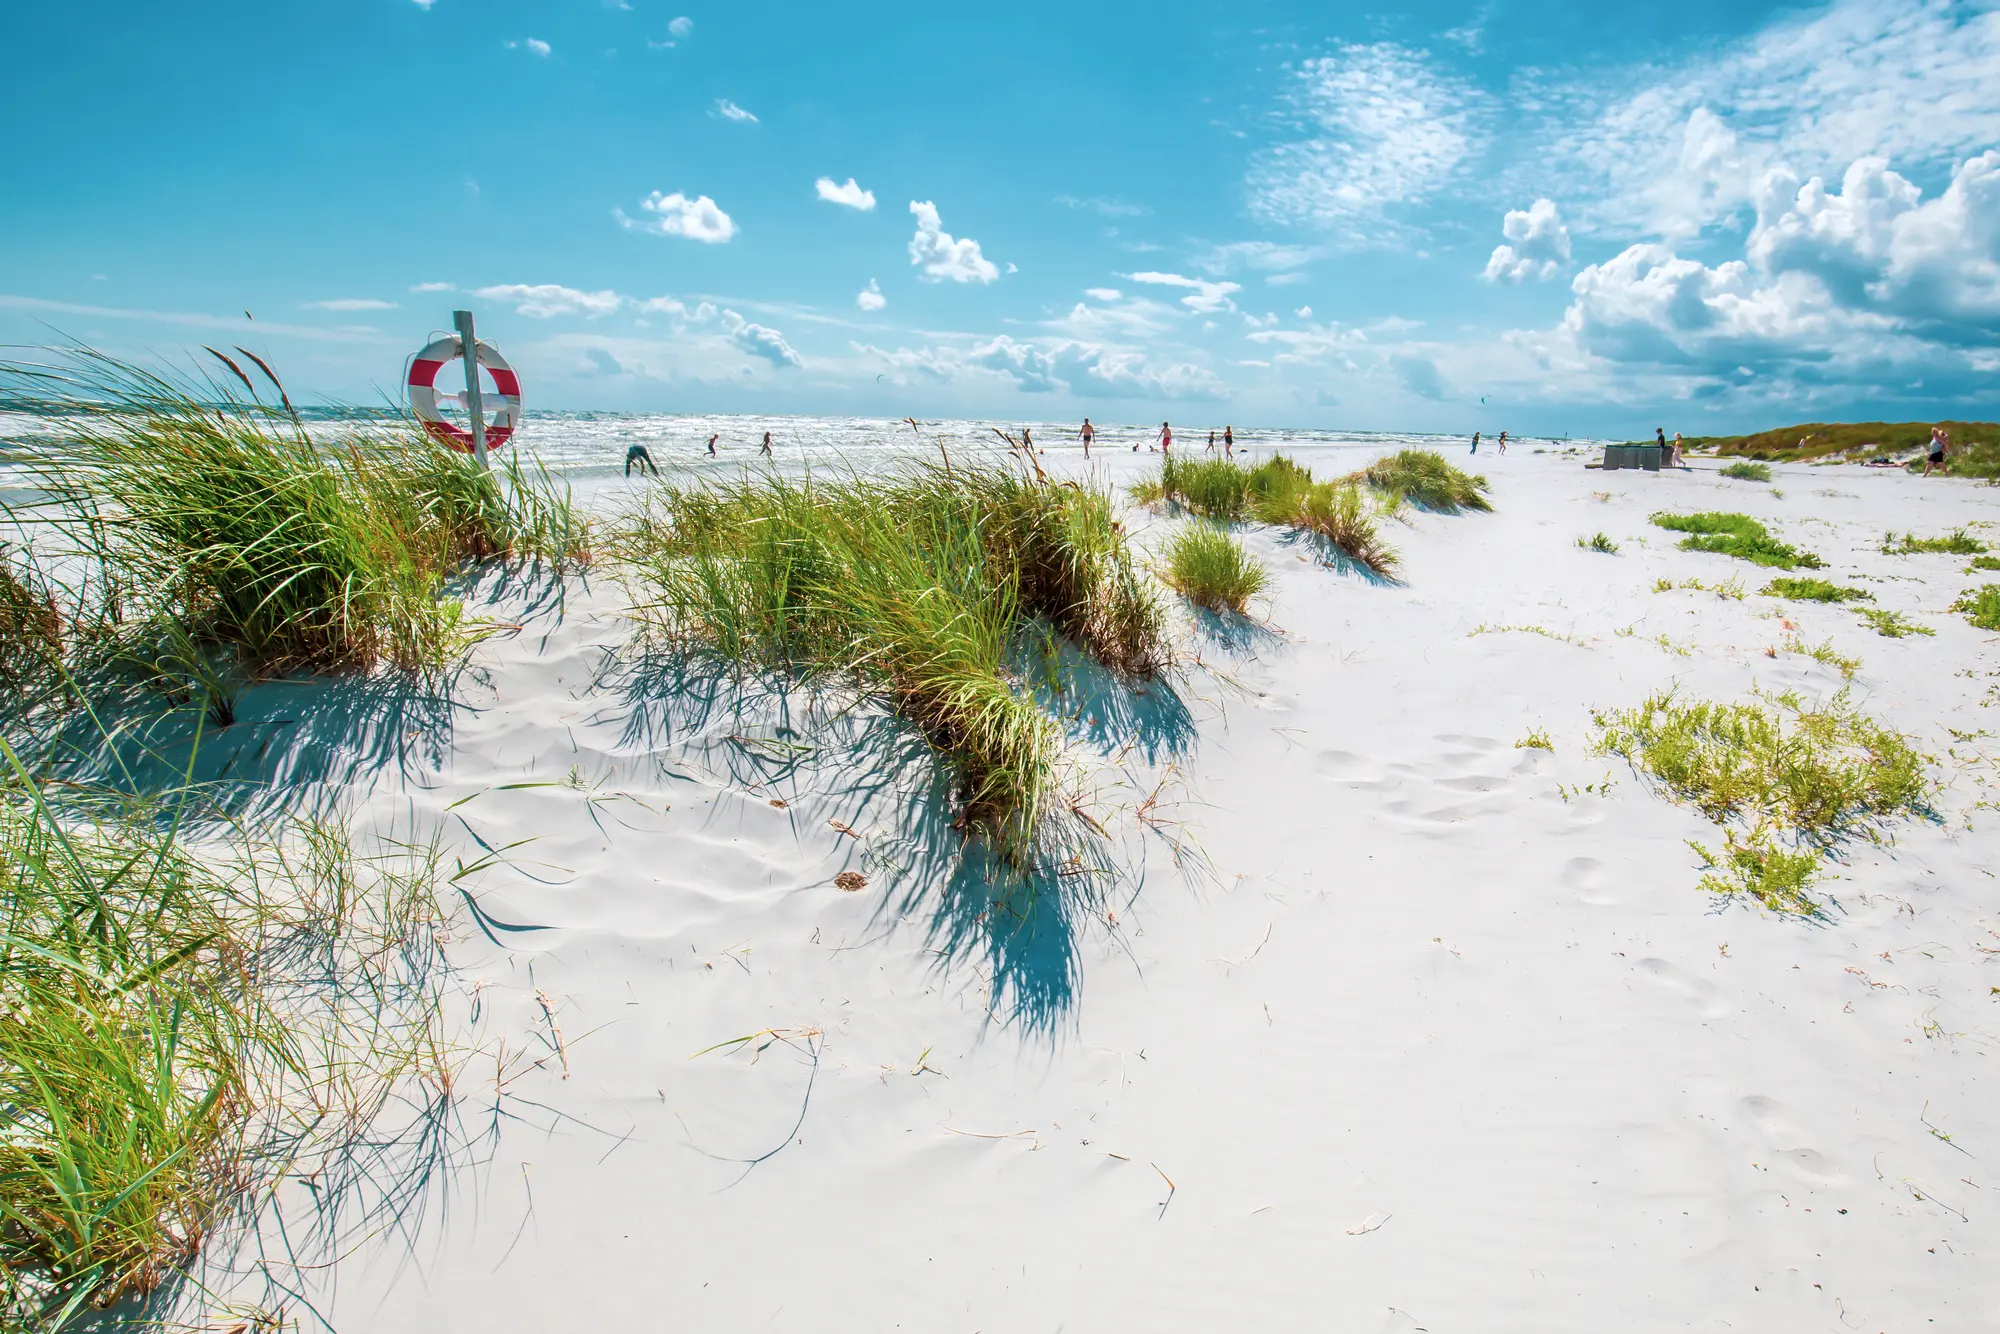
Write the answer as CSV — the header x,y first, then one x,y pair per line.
x,y
424,370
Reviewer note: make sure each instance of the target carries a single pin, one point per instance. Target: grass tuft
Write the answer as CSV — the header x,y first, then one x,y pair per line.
x,y
1599,542
1736,535
1426,480
1805,589
1280,492
1980,606
1211,569
1748,472
1983,563
1811,774
1958,542
1537,739
1825,654
1893,624
918,588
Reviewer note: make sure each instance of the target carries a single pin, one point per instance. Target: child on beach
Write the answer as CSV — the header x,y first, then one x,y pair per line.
x,y
1166,438
1211,442
711,445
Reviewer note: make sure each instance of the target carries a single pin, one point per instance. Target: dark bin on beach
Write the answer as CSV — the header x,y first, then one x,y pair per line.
x,y
1633,456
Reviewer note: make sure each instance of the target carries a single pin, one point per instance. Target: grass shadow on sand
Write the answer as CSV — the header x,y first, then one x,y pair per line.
x,y
893,792
1329,555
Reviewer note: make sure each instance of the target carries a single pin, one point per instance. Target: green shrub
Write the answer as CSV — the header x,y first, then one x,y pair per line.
x,y
1981,606
1599,542
1211,569
1427,481
1736,535
1748,472
1983,563
1280,492
1958,542
1813,590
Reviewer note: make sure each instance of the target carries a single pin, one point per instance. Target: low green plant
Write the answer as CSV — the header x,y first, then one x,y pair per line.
x,y
917,587
1276,491
1958,542
1736,535
1980,606
1729,589
1983,563
1893,624
1538,739
1425,479
1806,589
1748,472
1598,542
1485,628
1823,653
1811,774
1207,566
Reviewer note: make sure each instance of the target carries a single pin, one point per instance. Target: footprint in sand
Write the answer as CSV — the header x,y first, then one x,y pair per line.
x,y
1589,879
1704,995
1771,1119
1343,766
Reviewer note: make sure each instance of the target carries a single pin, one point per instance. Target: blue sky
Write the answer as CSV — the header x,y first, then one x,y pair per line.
x,y
1522,215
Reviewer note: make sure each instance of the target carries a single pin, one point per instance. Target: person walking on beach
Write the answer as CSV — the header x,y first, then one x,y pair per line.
x,y
766,448
1166,438
637,454
1503,442
711,444
1677,451
1087,434
1940,450
1660,438
1211,442
1027,441
1475,442
1229,442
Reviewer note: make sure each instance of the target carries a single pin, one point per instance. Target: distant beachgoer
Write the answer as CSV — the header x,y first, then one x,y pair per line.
x,y
1027,441
1660,436
711,444
767,443
1087,434
637,454
1211,442
1503,442
1940,450
1229,441
1166,438
1475,442
1678,462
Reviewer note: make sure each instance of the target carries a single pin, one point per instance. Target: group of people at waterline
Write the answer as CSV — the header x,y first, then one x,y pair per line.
x,y
637,455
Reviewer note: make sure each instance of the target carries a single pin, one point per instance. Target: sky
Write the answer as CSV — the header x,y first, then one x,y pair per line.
x,y
1549,217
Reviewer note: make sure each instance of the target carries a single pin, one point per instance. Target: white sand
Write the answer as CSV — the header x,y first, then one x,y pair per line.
x,y
1424,1043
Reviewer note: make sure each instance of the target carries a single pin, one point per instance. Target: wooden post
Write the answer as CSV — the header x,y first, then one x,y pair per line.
x,y
461,320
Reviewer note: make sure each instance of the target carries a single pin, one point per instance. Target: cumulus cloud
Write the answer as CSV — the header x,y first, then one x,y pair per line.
x,y
675,214
728,110
541,301
682,27
350,303
870,297
849,195
1204,298
1086,369
940,256
759,341
1376,126
1537,245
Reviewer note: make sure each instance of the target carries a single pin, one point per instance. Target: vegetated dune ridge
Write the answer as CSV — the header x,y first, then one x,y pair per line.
x,y
1391,1023
1857,440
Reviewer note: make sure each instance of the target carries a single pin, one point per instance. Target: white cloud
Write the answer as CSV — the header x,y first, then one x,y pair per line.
x,y
1204,298
681,28
1263,256
1110,208
1380,126
728,110
349,303
938,255
1082,368
675,214
1304,312
870,297
849,195
432,287
663,305
543,301
1537,245
424,4
1103,293
759,341
535,45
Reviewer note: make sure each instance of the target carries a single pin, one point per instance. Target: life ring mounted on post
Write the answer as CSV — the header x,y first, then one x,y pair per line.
x,y
424,370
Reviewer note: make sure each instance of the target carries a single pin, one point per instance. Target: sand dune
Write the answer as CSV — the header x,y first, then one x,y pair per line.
x,y
1388,1024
